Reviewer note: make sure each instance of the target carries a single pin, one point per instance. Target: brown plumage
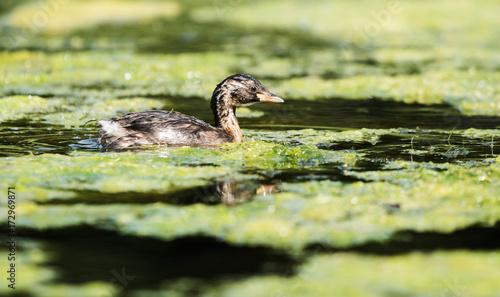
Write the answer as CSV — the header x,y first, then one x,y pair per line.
x,y
172,128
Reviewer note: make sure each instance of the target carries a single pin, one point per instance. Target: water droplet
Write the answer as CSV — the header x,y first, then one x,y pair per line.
x,y
128,76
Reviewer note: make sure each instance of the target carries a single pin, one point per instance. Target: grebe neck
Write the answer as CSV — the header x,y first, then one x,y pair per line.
x,y
225,113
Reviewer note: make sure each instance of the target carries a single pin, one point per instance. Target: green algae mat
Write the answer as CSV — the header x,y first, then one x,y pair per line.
x,y
378,176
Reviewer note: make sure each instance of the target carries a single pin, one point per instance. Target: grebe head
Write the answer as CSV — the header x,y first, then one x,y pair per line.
x,y
237,90
244,90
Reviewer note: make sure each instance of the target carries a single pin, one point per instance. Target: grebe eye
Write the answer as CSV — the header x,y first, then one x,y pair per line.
x,y
253,88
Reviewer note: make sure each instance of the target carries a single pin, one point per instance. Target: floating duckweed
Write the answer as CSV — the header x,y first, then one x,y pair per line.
x,y
71,15
96,74
426,200
16,107
101,173
345,274
77,115
259,154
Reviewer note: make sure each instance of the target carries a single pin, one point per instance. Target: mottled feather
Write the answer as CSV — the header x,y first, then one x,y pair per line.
x,y
176,129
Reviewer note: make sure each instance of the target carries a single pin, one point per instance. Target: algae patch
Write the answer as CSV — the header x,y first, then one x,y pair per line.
x,y
258,154
67,16
71,112
332,213
17,107
343,274
121,74
57,176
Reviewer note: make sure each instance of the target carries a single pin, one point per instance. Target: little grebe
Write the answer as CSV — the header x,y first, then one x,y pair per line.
x,y
172,128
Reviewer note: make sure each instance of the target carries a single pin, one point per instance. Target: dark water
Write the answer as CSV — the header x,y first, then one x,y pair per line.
x,y
369,113
341,114
84,254
23,137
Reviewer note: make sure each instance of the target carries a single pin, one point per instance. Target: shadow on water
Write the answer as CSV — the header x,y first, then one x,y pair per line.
x,y
474,237
338,113
220,192
84,254
230,193
178,35
333,172
184,34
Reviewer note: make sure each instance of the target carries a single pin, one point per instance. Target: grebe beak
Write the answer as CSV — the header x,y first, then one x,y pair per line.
x,y
269,98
